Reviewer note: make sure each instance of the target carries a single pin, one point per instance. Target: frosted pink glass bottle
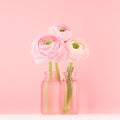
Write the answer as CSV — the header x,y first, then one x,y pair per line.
x,y
73,106
50,94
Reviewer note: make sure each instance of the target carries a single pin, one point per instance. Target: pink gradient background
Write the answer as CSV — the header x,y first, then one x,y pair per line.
x,y
96,21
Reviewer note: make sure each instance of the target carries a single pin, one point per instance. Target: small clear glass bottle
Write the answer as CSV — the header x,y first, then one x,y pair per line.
x,y
70,90
50,94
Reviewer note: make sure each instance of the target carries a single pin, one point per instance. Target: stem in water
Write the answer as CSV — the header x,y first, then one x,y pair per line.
x,y
68,95
46,88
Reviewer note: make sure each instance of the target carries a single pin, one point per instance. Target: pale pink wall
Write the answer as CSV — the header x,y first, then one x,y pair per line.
x,y
96,21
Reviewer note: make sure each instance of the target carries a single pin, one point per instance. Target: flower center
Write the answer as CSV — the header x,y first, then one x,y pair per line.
x,y
62,30
48,42
76,45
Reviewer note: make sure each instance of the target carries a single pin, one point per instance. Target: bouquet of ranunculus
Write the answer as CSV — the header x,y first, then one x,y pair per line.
x,y
58,45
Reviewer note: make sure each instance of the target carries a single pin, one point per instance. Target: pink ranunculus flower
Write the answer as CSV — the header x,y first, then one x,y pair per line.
x,y
77,49
61,31
48,48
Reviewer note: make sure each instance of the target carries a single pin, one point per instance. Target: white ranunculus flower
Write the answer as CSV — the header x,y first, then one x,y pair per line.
x,y
77,49
61,31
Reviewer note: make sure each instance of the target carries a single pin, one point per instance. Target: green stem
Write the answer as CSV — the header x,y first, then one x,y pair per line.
x,y
57,70
50,70
68,95
71,68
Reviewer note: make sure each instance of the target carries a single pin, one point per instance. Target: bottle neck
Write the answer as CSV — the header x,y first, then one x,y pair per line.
x,y
51,76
